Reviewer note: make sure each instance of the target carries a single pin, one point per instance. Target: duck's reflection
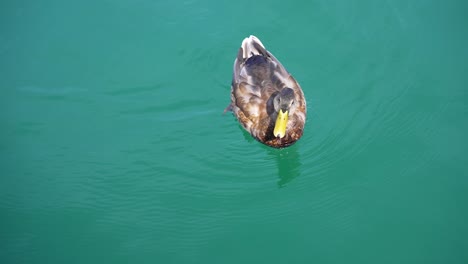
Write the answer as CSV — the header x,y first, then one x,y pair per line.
x,y
287,160
288,163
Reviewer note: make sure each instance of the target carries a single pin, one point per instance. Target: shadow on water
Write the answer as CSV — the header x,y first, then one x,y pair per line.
x,y
287,160
288,163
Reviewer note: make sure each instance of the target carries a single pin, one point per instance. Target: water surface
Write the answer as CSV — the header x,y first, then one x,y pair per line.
x,y
114,148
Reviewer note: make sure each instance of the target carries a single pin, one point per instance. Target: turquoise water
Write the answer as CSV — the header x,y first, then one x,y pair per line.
x,y
114,148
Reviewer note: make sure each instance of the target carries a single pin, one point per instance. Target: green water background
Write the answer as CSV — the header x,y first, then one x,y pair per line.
x,y
114,149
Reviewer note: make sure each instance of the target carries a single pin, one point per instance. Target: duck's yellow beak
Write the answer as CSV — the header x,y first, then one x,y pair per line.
x,y
280,125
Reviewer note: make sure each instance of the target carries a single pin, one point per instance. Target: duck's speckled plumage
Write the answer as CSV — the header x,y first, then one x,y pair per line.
x,y
257,78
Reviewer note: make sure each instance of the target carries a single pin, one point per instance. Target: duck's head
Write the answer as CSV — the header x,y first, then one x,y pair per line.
x,y
284,104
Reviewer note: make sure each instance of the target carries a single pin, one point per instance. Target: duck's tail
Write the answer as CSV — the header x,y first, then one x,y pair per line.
x,y
252,46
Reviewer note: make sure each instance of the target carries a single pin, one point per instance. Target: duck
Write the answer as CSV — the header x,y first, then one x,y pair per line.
x,y
265,98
